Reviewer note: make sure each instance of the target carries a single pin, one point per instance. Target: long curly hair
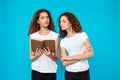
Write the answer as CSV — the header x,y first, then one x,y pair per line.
x,y
34,26
73,20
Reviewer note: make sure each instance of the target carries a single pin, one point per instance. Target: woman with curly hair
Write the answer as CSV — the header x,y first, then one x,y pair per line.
x,y
43,60
75,48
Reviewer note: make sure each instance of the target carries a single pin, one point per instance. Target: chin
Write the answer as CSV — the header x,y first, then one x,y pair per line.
x,y
63,29
46,26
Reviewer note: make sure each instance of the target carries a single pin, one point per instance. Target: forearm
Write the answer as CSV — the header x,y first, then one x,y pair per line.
x,y
34,58
54,58
82,56
68,62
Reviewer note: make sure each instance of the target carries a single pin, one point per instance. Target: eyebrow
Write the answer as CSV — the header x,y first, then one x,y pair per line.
x,y
44,16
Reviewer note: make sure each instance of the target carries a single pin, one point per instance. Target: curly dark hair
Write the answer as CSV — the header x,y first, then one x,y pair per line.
x,y
34,26
73,20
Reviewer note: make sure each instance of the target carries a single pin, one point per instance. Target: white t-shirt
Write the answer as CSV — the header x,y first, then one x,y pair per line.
x,y
75,46
44,64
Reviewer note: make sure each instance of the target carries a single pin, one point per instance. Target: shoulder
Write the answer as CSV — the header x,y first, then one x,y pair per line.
x,y
83,35
33,35
63,40
54,34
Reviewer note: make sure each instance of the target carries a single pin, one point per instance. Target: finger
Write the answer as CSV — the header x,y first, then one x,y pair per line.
x,y
48,49
40,50
65,58
62,59
37,50
45,50
48,53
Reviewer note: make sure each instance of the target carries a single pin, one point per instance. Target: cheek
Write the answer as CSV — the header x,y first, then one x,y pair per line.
x,y
48,21
63,27
41,21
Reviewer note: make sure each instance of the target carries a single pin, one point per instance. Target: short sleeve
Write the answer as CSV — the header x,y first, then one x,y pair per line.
x,y
56,36
32,36
84,36
62,43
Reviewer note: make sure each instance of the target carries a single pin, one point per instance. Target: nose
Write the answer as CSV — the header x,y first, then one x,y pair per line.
x,y
60,24
46,18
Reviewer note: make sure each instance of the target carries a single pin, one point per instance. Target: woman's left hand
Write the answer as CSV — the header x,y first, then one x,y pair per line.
x,y
47,52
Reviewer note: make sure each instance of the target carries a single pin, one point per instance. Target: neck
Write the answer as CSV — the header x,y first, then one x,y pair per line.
x,y
70,32
44,30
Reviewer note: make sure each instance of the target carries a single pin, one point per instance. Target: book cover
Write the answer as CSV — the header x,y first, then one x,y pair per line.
x,y
43,44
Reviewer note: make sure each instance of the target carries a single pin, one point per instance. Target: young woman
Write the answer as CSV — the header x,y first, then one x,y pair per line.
x,y
43,61
75,43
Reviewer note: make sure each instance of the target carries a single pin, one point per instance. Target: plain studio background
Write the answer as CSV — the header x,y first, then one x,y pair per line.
x,y
99,18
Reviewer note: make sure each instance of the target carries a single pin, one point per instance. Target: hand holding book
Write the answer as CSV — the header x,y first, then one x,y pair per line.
x,y
39,52
47,52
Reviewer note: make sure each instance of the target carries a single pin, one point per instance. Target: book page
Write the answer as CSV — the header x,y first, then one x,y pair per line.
x,y
50,44
37,44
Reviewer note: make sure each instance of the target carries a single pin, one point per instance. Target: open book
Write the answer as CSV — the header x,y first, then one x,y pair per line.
x,y
42,44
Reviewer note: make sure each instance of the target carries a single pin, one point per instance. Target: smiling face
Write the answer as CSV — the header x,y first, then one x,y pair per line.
x,y
43,20
64,23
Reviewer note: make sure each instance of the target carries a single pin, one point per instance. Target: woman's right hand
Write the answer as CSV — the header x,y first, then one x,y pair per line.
x,y
39,52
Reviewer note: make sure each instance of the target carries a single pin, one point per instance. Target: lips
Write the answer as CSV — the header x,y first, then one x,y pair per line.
x,y
46,23
62,27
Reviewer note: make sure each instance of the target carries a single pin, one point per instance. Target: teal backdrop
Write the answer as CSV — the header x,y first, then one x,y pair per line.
x,y
100,19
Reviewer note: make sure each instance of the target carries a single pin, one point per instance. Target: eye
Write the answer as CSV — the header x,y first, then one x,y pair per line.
x,y
64,21
47,17
42,17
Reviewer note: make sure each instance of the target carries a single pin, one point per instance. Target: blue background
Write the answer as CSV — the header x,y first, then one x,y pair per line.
x,y
99,18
